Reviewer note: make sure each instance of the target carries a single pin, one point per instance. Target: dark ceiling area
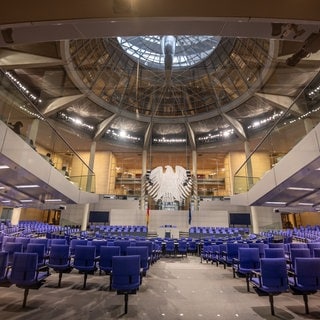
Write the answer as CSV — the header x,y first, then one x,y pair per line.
x,y
208,85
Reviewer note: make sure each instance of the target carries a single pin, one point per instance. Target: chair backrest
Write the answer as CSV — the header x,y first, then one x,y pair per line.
x,y
261,246
143,252
249,258
316,252
312,246
6,239
126,272
274,274
24,268
106,254
307,272
274,253
123,244
98,244
233,249
24,242
77,242
38,248
59,255
276,245
55,241
43,241
11,248
84,256
299,252
3,264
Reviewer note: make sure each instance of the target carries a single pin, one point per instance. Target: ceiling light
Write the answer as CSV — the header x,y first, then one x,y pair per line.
x,y
6,201
306,204
26,200
301,189
276,202
3,166
53,200
25,186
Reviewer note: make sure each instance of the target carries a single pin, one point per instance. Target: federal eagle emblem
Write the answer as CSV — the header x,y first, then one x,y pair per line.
x,y
169,185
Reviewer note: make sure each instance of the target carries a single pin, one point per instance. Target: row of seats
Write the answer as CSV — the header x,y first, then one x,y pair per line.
x,y
280,268
29,269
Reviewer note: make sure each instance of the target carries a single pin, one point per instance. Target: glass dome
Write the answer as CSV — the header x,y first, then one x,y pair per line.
x,y
150,51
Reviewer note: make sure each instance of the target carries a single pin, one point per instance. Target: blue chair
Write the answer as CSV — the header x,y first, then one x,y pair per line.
x,y
170,247
126,276
274,253
231,253
123,244
261,246
43,241
248,261
144,257
105,260
40,250
272,278
297,253
24,273
182,247
59,260
77,242
24,242
84,261
305,279
311,246
11,248
98,244
4,269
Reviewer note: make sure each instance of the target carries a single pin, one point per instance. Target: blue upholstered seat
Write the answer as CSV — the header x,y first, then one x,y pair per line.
x,y
84,260
59,260
272,279
24,273
305,279
126,275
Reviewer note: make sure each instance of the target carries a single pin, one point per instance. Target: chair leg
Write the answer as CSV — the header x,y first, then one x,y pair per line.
x,y
306,305
60,277
126,298
271,304
110,283
85,280
247,280
26,292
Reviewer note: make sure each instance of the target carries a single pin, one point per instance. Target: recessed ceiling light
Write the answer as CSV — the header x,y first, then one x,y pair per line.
x,y
276,202
6,201
53,200
300,189
22,186
26,200
3,166
306,204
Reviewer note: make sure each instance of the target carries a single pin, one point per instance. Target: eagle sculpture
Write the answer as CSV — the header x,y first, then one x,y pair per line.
x,y
169,185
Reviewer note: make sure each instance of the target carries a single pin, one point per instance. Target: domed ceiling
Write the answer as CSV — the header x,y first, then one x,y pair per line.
x,y
164,91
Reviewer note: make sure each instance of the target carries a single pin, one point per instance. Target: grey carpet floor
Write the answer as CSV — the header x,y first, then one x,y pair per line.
x,y
174,288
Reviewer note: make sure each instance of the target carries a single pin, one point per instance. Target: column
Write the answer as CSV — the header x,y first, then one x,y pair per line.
x,y
91,165
248,165
195,183
15,218
85,217
143,179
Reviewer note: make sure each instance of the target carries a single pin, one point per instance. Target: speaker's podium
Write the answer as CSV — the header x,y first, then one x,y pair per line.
x,y
168,231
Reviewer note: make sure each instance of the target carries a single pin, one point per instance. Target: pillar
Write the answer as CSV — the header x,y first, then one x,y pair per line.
x,y
85,217
248,165
91,165
143,179
195,184
15,218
